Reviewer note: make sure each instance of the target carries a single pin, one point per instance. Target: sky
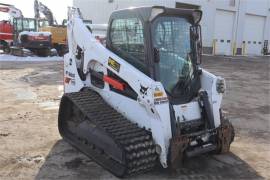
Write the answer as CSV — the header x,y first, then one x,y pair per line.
x,y
58,7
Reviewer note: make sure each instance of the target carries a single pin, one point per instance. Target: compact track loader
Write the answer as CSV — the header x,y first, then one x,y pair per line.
x,y
142,99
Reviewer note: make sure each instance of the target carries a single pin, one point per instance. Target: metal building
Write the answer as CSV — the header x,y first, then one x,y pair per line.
x,y
229,27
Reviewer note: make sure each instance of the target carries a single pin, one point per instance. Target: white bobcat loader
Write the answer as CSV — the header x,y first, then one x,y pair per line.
x,y
142,99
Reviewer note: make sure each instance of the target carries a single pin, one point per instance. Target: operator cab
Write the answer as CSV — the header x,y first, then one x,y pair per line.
x,y
23,24
163,43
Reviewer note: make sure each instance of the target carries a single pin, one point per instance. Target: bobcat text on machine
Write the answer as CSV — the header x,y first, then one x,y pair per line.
x,y
143,98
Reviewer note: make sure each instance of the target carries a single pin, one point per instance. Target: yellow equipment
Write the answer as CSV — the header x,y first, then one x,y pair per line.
x,y
59,32
59,37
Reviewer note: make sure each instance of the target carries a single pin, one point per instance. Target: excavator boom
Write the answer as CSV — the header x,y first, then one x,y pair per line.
x,y
41,8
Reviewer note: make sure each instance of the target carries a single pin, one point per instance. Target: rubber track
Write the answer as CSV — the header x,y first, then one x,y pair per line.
x,y
137,143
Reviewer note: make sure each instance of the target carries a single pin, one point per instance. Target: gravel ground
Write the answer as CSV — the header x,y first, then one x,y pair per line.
x,y
31,147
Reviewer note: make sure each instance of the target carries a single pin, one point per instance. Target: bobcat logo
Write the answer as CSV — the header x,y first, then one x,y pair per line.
x,y
143,90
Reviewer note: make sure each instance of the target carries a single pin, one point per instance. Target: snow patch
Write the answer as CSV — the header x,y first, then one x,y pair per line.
x,y
49,105
22,94
7,57
32,33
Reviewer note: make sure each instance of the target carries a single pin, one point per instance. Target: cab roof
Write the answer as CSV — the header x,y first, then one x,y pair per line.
x,y
149,13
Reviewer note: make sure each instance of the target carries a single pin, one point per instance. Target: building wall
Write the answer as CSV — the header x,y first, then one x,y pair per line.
x,y
228,26
99,10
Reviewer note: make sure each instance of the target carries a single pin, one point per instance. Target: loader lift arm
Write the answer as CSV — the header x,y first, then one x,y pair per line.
x,y
97,53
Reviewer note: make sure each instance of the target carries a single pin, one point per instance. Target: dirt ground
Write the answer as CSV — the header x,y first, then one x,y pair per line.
x,y
31,147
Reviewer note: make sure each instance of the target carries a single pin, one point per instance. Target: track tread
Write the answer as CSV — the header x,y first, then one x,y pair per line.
x,y
137,143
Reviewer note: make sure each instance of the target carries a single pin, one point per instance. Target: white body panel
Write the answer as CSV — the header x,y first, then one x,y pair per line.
x,y
148,111
208,83
187,112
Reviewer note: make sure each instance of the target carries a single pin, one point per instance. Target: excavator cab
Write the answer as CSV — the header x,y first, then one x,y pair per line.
x,y
163,43
25,35
23,24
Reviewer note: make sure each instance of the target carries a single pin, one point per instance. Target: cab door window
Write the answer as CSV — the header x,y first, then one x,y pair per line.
x,y
127,41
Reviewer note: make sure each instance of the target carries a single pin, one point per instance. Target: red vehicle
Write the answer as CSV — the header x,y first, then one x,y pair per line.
x,y
6,28
21,33
6,35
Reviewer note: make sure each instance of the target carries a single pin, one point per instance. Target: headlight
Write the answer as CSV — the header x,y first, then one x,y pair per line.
x,y
220,85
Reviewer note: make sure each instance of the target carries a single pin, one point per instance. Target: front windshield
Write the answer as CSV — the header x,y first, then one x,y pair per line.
x,y
171,39
29,25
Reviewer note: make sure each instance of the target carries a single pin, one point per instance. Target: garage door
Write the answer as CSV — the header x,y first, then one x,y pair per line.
x,y
224,32
253,34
